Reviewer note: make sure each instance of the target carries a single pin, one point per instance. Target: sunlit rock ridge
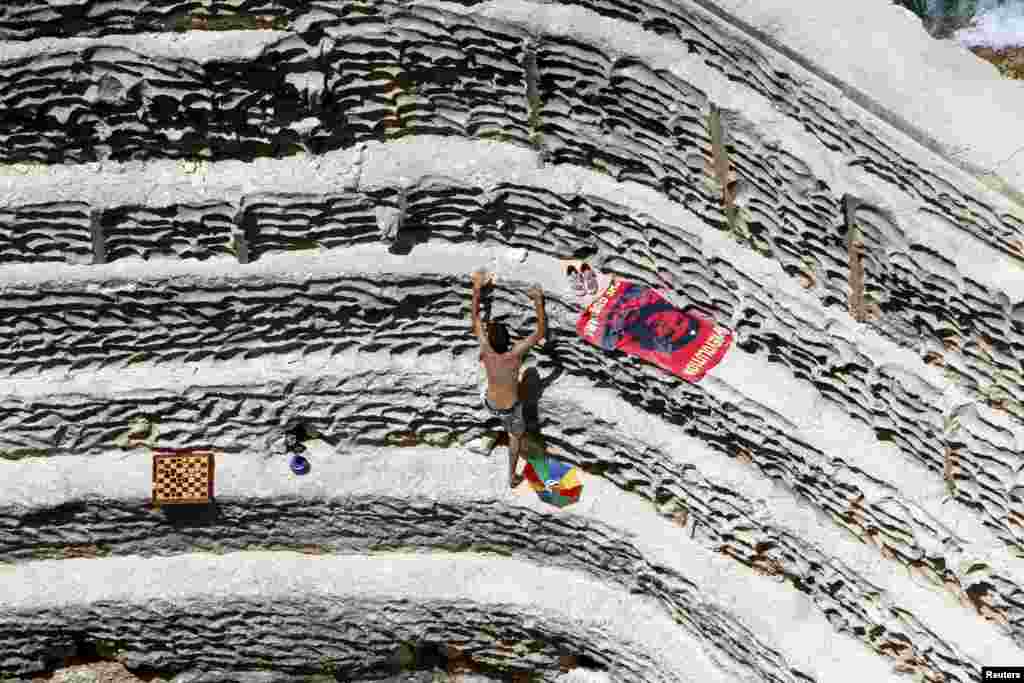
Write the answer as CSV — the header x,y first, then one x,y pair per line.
x,y
220,218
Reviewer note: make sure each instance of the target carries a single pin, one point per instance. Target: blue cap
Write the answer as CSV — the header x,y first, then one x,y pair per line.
x,y
299,464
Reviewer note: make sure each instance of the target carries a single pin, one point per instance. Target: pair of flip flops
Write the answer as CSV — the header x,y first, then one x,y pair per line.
x,y
583,280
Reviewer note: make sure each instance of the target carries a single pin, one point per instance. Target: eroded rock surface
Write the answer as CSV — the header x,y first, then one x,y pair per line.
x,y
380,524
382,408
183,320
344,73
294,614
615,114
917,296
357,636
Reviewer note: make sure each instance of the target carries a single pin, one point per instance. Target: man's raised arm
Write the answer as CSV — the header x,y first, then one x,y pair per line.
x,y
537,295
478,281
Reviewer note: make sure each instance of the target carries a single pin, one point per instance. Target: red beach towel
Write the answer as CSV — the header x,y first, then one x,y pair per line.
x,y
637,320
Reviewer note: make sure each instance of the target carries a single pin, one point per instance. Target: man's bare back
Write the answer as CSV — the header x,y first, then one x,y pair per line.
x,y
502,377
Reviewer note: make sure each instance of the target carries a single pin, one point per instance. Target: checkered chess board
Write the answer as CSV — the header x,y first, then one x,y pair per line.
x,y
182,477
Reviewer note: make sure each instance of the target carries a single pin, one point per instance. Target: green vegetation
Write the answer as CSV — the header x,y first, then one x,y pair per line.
x,y
137,357
264,664
722,172
142,430
500,136
406,657
194,164
918,7
533,97
229,22
440,439
29,167
328,666
301,244
411,438
951,16
1009,62
19,453
107,649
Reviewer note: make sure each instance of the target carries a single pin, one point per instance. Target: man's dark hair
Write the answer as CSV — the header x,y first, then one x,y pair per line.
x,y
497,335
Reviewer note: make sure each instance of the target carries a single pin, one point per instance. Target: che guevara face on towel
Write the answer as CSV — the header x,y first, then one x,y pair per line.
x,y
644,319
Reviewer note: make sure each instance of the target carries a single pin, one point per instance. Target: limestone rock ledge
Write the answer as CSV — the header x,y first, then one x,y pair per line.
x,y
100,528
184,319
296,614
741,57
381,523
788,201
978,351
972,330
322,87
390,406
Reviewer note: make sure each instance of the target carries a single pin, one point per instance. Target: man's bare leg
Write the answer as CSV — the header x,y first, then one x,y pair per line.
x,y
515,441
514,444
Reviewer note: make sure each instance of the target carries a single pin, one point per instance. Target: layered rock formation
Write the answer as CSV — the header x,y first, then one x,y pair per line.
x,y
212,233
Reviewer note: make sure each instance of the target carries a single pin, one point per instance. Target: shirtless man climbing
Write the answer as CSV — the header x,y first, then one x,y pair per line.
x,y
502,361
